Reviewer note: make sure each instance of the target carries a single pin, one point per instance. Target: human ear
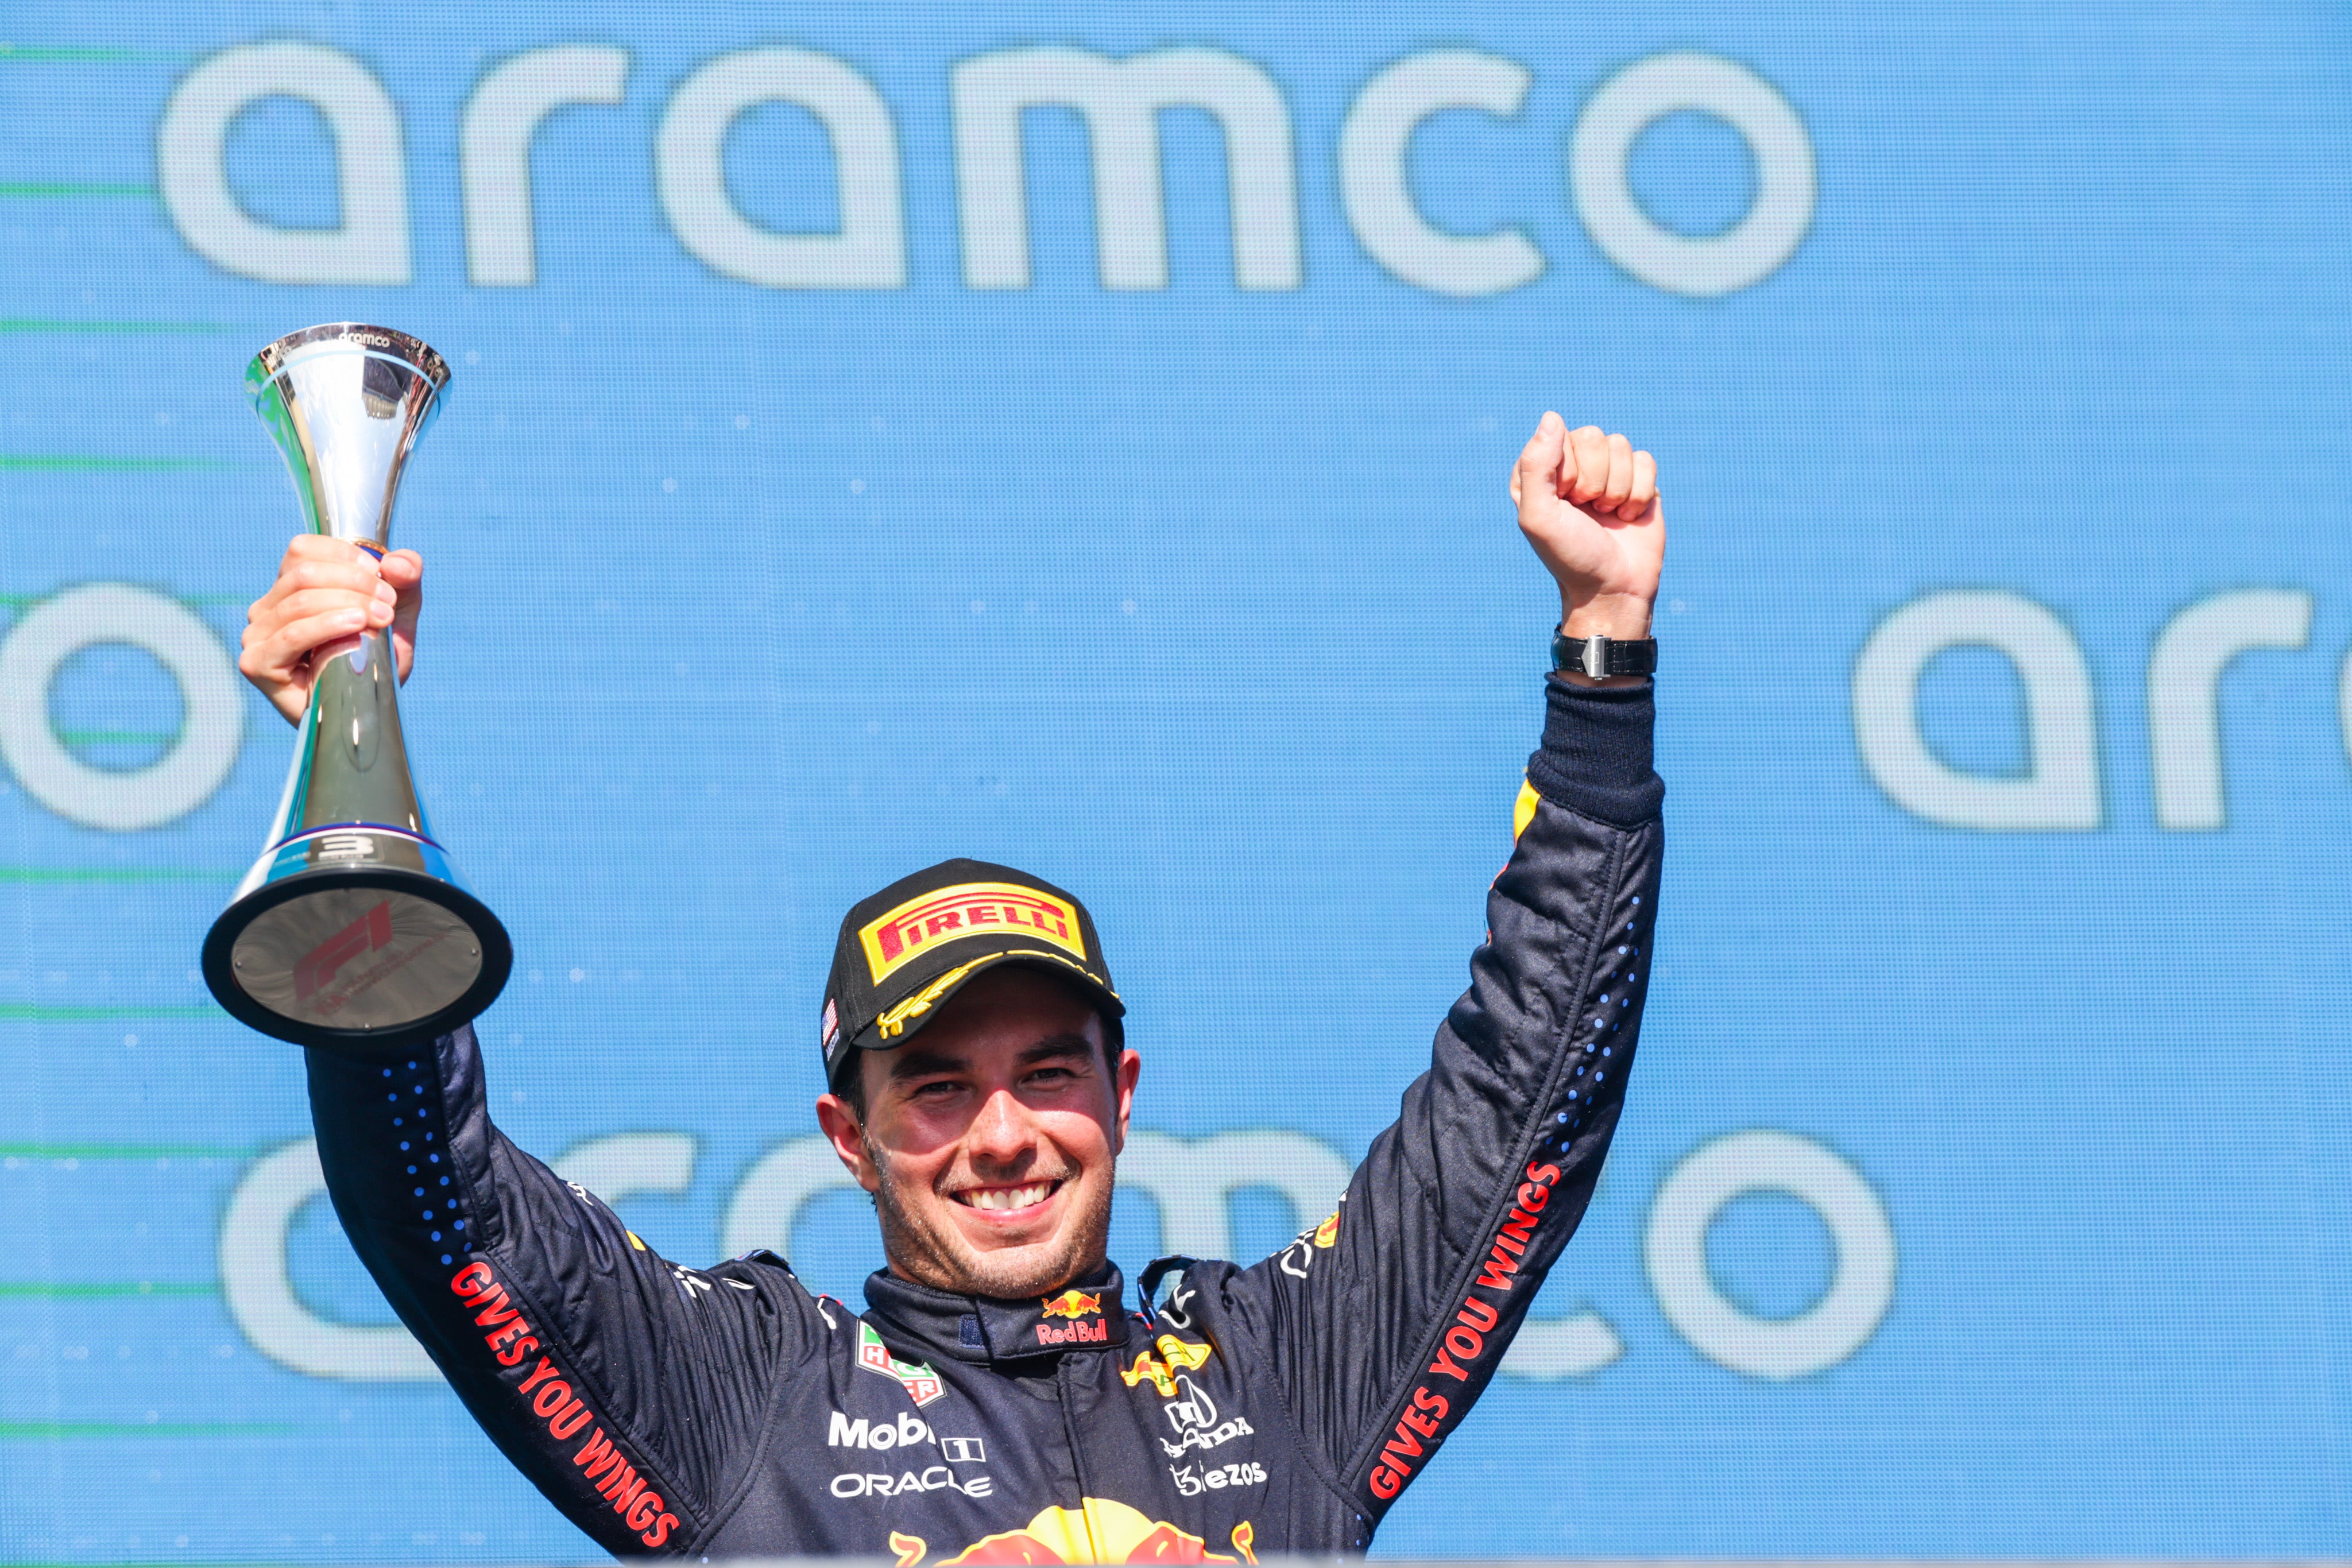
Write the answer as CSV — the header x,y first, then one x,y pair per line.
x,y
1130,1069
847,1136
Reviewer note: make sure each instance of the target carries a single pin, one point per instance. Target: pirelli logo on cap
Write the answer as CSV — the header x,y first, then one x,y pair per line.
x,y
968,909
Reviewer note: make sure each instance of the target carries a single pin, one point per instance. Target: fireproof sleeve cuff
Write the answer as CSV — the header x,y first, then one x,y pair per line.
x,y
1596,757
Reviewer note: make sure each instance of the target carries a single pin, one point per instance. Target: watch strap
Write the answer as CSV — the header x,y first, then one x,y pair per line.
x,y
1598,657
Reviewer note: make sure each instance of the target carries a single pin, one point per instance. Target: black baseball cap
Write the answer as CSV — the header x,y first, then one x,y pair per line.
x,y
903,951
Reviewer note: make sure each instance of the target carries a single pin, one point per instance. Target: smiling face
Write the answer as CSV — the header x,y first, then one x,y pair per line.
x,y
989,1138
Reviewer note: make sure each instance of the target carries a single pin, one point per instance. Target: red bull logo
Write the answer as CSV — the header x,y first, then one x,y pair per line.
x,y
1096,1333
1074,1305
1101,1530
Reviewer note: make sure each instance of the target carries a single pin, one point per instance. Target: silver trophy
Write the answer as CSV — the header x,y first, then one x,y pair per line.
x,y
353,929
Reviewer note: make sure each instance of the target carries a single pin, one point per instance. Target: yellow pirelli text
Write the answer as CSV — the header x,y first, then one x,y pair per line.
x,y
968,909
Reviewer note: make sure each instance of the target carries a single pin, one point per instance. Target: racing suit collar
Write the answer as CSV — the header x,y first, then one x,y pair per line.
x,y
1088,1315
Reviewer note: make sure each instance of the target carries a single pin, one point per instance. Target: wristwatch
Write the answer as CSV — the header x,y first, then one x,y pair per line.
x,y
1598,655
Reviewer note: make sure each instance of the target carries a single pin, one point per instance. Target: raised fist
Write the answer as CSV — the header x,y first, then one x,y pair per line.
x,y
1588,504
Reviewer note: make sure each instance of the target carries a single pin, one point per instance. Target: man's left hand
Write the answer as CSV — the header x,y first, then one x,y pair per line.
x,y
1588,504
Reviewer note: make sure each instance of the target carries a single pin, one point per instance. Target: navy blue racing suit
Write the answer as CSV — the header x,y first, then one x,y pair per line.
x,y
1280,1407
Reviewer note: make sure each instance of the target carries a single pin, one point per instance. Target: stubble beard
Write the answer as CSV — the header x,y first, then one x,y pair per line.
x,y
923,1251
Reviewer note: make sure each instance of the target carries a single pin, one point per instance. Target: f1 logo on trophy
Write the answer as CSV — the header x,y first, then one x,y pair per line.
x,y
353,929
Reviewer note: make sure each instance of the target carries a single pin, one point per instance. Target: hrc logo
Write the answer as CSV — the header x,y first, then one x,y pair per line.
x,y
968,909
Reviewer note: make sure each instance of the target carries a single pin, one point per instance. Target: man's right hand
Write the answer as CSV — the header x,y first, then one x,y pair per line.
x,y
327,593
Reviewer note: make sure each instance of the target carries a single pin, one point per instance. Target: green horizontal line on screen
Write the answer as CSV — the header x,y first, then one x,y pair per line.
x,y
46,188
80,1291
192,600
54,1430
264,1563
46,1012
121,1152
117,736
280,1563
114,873
77,462
76,53
19,324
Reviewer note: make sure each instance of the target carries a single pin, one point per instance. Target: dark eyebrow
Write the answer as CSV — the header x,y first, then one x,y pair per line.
x,y
913,1063
1056,1047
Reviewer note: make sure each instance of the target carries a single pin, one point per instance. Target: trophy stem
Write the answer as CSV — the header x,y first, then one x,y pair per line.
x,y
353,930
358,759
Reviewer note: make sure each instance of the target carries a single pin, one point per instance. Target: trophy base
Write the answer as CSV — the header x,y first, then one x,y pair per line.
x,y
357,958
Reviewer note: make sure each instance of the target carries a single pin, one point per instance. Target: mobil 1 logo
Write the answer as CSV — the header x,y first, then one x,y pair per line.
x,y
908,1431
905,1432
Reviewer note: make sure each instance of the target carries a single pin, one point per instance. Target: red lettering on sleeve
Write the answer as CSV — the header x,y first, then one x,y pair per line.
x,y
1422,1399
495,1312
1446,1364
1478,1314
546,1370
1517,1231
1546,1174
596,1455
513,1356
472,1279
1496,1274
1532,1197
624,1497
611,1474
1385,1482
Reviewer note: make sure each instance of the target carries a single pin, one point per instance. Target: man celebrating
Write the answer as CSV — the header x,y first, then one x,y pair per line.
x,y
999,1402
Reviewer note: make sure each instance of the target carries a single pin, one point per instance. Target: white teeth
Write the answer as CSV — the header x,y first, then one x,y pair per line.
x,y
1007,1197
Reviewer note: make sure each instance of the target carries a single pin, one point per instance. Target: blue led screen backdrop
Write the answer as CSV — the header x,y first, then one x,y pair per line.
x,y
1077,437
